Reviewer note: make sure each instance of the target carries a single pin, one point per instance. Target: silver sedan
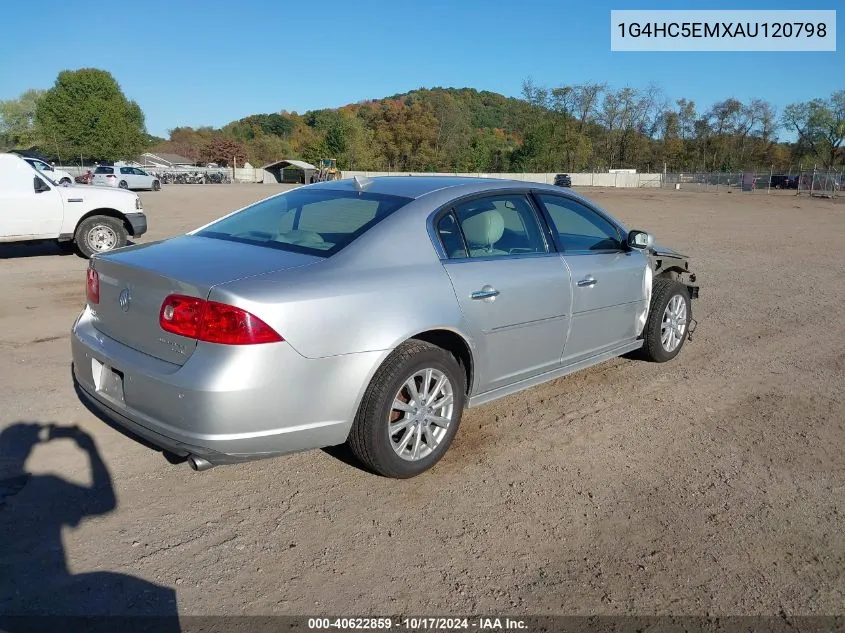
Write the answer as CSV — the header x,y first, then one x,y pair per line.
x,y
369,312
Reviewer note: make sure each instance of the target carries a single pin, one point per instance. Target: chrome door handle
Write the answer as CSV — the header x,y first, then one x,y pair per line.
x,y
587,282
487,292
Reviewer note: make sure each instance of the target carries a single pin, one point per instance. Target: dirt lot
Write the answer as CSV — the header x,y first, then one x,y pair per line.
x,y
712,484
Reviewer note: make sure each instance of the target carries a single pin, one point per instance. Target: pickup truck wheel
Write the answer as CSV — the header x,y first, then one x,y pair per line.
x,y
100,234
668,320
410,411
123,184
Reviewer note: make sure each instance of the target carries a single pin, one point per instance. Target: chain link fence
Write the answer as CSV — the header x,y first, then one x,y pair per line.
x,y
812,182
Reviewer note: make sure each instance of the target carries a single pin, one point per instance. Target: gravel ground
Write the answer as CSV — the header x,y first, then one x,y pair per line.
x,y
709,485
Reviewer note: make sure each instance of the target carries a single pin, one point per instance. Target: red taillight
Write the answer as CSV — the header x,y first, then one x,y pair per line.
x,y
213,322
92,286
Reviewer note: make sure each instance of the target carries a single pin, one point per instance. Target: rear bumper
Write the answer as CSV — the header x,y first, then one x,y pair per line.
x,y
138,223
224,405
139,433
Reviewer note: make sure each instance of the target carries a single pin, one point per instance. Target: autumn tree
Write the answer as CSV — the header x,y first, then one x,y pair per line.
x,y
223,151
564,128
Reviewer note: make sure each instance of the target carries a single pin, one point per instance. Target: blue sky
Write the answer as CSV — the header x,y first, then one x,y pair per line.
x,y
208,62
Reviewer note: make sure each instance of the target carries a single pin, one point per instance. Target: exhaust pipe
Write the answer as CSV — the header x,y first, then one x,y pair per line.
x,y
199,464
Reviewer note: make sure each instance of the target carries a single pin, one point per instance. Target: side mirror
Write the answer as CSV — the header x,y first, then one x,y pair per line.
x,y
39,185
640,240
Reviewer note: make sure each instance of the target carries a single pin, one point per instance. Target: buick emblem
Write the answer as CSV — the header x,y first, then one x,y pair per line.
x,y
124,299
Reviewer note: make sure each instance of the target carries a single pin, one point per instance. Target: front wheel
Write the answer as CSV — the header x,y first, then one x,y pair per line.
x,y
410,412
100,234
156,185
668,320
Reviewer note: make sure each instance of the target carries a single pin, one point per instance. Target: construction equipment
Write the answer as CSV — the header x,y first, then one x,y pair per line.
x,y
327,170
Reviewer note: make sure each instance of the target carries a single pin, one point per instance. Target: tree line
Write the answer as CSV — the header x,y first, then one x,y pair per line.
x,y
583,127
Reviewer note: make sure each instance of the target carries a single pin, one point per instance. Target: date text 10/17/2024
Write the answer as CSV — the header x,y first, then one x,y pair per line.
x,y
419,624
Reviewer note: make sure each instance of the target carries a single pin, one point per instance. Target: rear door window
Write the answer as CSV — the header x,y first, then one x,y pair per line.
x,y
498,226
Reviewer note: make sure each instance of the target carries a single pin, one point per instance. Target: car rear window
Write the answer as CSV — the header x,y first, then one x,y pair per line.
x,y
104,170
305,220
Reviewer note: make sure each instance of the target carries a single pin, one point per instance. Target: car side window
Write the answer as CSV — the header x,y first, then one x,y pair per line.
x,y
126,170
578,227
498,226
450,236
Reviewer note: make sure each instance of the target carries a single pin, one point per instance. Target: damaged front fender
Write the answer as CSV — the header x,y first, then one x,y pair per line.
x,y
665,261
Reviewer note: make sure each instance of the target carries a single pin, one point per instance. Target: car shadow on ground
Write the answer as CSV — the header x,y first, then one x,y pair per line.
x,y
39,249
343,453
33,249
38,592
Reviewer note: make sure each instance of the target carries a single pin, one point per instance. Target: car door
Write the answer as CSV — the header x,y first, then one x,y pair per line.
x,y
607,277
128,174
25,212
142,179
513,288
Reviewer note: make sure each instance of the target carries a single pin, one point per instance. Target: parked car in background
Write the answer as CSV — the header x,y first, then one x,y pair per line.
x,y
779,181
56,175
92,220
367,311
563,180
125,177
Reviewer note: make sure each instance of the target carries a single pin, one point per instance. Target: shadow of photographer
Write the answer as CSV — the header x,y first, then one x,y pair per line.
x,y
35,580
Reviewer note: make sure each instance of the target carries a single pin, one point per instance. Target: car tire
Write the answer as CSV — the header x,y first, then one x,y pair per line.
x,y
426,435
65,181
99,234
123,184
156,185
668,321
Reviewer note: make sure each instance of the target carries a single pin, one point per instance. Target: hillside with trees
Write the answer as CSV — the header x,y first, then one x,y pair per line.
x,y
571,128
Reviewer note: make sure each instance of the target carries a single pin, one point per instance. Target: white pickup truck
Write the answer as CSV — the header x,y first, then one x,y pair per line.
x,y
89,218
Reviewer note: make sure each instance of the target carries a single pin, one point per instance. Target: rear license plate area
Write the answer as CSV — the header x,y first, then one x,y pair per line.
x,y
107,380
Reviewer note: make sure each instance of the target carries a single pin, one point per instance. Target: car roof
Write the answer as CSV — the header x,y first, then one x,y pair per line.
x,y
418,186
448,186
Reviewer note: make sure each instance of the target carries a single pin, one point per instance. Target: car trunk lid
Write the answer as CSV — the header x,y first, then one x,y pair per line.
x,y
135,281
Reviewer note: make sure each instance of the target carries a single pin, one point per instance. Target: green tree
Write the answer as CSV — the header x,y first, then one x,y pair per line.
x,y
820,125
17,121
86,113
